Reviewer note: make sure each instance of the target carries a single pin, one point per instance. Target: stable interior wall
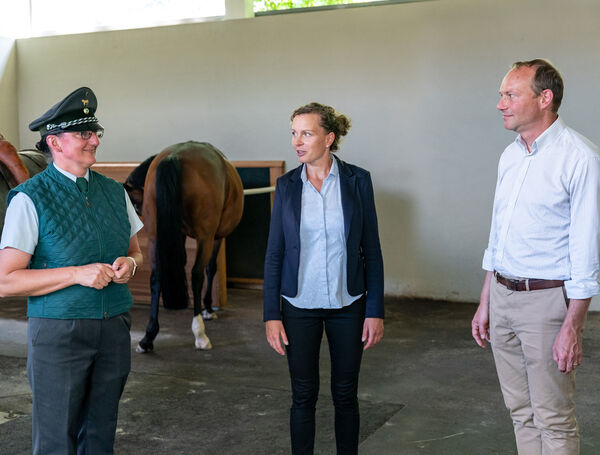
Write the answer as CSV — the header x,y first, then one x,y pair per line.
x,y
9,122
419,80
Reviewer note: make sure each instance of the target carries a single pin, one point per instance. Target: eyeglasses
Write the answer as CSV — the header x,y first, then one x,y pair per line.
x,y
86,135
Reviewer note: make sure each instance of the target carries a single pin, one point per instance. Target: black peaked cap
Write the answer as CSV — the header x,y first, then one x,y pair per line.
x,y
74,113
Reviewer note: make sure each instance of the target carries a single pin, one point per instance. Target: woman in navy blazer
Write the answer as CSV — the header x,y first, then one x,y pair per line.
x,y
323,269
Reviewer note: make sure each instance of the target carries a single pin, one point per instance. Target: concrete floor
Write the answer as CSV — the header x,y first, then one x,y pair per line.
x,y
425,389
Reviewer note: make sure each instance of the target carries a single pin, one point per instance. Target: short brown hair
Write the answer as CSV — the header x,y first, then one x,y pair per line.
x,y
546,77
330,120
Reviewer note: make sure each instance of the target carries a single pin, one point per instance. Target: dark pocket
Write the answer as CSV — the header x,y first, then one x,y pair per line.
x,y
565,296
33,329
52,332
126,318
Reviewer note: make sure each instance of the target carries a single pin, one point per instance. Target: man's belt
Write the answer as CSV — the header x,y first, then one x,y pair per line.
x,y
529,284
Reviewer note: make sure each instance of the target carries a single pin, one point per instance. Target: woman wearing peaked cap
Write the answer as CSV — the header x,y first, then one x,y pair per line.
x,y
69,243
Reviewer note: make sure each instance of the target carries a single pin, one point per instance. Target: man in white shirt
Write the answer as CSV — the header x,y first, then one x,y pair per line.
x,y
542,260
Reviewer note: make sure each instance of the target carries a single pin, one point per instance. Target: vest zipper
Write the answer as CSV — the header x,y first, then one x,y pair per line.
x,y
104,309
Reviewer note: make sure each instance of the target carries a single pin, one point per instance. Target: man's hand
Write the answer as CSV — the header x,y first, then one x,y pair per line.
x,y
480,326
568,347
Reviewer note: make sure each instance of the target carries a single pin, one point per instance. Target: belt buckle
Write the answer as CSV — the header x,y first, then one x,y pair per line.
x,y
512,285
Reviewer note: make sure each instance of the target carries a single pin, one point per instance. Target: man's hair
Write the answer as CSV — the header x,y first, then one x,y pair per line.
x,y
546,77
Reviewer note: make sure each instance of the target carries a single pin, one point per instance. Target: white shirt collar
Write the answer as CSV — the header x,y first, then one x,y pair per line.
x,y
72,176
549,136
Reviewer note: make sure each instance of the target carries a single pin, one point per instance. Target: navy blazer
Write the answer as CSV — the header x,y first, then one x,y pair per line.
x,y
365,263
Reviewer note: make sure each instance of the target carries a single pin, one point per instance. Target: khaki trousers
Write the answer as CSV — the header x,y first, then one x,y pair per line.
x,y
523,328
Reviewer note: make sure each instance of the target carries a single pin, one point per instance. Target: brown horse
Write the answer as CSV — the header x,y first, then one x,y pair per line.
x,y
15,168
17,172
190,189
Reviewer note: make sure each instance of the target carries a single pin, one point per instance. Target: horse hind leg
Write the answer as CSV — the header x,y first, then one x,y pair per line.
x,y
147,343
202,341
211,270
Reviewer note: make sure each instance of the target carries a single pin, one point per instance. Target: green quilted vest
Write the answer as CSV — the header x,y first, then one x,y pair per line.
x,y
75,230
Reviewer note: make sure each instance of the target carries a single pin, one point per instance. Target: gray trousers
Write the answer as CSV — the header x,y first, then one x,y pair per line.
x,y
77,369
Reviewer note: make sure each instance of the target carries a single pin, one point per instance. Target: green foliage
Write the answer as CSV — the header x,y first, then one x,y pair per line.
x,y
273,5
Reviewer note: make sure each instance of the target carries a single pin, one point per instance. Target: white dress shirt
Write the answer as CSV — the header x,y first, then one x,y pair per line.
x,y
323,256
21,224
546,211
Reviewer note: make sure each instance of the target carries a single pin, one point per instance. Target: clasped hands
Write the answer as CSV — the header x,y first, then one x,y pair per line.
x,y
99,275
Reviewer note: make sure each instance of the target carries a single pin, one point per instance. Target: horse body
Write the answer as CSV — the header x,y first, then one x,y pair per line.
x,y
15,168
190,190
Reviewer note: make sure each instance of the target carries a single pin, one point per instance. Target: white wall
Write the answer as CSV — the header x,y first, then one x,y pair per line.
x,y
419,80
9,123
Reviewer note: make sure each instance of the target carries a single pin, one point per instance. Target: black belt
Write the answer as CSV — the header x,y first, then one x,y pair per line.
x,y
529,284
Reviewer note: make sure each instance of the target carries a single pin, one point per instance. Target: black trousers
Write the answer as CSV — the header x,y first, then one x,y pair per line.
x,y
304,329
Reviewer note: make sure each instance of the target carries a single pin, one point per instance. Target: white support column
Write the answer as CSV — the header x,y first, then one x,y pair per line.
x,y
239,9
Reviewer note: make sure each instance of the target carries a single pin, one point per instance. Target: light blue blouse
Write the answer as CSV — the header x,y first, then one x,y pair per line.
x,y
322,281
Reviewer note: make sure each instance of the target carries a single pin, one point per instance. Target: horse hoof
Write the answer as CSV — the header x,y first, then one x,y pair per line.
x,y
202,341
208,316
141,350
203,344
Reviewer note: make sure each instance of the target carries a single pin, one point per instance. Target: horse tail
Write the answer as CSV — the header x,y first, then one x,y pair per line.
x,y
170,239
137,177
